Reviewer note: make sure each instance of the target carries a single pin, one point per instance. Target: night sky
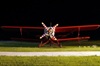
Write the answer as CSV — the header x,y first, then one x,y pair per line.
x,y
55,11
32,13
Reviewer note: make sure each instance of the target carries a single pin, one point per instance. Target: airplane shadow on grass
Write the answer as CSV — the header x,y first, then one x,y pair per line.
x,y
17,44
35,44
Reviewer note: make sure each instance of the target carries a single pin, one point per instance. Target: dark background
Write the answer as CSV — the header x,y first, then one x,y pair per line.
x,y
65,13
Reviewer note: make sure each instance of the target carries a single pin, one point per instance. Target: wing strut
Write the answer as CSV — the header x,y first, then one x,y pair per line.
x,y
21,31
78,34
78,31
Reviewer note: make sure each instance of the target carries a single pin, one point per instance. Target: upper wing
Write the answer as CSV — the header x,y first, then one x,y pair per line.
x,y
76,28
25,27
37,29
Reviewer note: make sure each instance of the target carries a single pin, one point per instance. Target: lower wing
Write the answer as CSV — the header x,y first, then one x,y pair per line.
x,y
76,38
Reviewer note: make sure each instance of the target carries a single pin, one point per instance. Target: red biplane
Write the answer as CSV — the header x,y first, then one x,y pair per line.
x,y
49,32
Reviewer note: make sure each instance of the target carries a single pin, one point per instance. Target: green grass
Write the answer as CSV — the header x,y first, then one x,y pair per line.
x,y
50,61
18,46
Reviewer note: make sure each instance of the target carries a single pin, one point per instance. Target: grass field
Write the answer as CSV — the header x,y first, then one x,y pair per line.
x,y
50,61
18,46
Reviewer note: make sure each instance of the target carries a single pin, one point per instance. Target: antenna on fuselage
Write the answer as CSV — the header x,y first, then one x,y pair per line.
x,y
50,24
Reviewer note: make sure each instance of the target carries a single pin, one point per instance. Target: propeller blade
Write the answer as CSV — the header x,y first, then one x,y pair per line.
x,y
44,26
43,35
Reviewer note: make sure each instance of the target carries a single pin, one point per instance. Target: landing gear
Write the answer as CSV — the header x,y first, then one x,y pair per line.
x,y
51,41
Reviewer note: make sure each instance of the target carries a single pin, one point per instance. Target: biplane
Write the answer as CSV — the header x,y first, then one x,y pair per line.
x,y
49,32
